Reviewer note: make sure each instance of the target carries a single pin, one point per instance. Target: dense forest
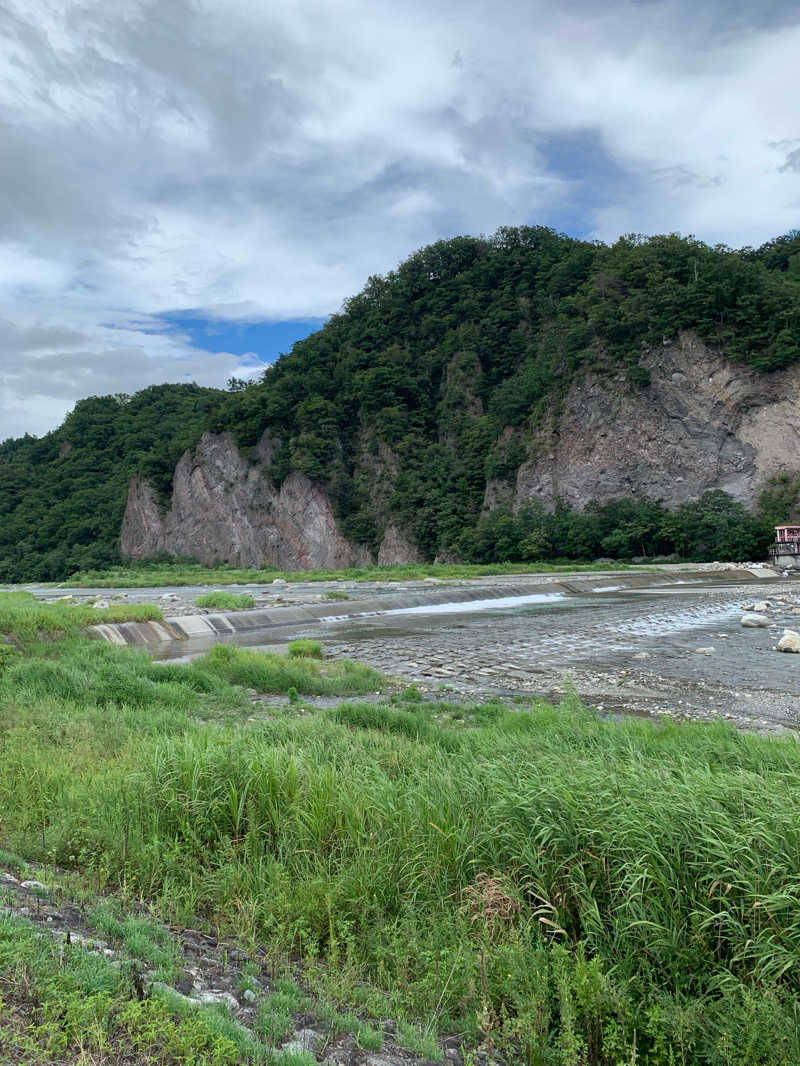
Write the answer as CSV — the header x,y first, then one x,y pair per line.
x,y
450,363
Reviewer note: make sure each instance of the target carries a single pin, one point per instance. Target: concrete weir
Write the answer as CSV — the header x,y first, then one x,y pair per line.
x,y
442,600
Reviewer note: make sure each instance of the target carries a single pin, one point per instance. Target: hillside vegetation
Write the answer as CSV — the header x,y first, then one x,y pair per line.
x,y
447,364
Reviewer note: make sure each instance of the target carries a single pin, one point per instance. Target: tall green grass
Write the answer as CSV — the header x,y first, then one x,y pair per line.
x,y
267,672
23,617
571,887
572,890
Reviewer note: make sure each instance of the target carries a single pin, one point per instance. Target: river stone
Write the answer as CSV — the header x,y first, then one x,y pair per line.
x,y
215,996
761,606
704,651
754,621
790,641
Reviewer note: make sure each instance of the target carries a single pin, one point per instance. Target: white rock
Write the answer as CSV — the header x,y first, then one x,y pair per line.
x,y
790,641
100,605
217,996
8,879
761,606
704,651
754,621
33,885
278,581
748,607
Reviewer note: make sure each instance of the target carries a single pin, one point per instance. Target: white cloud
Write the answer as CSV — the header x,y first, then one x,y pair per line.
x,y
253,160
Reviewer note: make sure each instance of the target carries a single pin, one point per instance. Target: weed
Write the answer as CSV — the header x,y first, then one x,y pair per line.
x,y
267,672
225,601
304,648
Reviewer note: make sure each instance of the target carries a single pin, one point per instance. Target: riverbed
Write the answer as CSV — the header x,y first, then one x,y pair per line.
x,y
636,644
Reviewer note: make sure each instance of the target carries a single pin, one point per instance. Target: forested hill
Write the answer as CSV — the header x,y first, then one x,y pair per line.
x,y
448,365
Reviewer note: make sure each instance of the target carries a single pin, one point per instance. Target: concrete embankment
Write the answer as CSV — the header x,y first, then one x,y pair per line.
x,y
473,596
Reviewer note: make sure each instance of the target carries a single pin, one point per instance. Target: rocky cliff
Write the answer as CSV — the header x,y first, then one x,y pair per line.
x,y
225,509
703,423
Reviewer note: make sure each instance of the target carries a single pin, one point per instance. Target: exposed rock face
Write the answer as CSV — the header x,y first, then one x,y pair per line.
x,y
703,423
225,510
396,547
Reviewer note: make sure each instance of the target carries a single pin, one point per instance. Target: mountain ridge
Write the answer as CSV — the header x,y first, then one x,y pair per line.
x,y
417,406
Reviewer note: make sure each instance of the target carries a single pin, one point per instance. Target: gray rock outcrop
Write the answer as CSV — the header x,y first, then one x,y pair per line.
x,y
704,422
224,509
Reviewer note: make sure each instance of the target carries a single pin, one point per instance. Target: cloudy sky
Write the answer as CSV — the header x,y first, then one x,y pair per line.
x,y
187,186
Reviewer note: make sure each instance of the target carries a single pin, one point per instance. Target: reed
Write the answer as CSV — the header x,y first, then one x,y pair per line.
x,y
575,890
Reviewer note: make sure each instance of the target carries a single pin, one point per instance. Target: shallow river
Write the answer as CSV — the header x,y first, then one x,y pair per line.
x,y
647,651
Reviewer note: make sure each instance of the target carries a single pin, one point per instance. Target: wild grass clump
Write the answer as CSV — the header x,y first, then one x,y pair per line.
x,y
91,674
23,617
225,601
304,648
267,672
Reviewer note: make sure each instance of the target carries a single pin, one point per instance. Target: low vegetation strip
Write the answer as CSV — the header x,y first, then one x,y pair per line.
x,y
60,1002
157,574
563,889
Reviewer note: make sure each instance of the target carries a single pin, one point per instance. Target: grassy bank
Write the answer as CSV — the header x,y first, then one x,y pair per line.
x,y
567,890
23,617
144,575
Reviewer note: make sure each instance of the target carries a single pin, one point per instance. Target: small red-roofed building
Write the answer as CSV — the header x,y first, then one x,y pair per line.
x,y
785,552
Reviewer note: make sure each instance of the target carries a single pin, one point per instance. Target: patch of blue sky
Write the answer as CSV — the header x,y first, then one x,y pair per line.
x,y
264,340
596,180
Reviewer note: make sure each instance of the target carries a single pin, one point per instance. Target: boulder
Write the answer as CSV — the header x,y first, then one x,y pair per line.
x,y
790,641
754,621
216,997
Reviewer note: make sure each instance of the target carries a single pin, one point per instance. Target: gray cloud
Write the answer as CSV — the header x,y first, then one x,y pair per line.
x,y
260,161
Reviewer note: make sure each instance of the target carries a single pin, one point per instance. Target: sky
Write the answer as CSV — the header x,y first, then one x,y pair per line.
x,y
189,186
